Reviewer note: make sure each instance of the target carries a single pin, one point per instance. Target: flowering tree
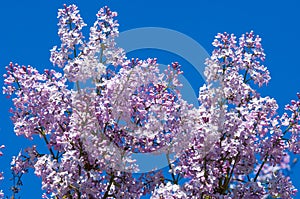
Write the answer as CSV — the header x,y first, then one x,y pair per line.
x,y
234,145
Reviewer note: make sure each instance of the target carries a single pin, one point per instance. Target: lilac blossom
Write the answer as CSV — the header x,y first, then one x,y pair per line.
x,y
234,145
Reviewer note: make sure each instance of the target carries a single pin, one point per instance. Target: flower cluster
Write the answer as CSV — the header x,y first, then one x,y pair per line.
x,y
247,127
234,145
83,60
168,191
292,124
42,101
88,140
70,26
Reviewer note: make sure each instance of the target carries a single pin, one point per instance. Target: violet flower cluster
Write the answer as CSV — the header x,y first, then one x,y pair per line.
x,y
234,145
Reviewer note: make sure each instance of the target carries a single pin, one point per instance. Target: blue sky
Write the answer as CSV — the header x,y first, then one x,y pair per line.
x,y
29,30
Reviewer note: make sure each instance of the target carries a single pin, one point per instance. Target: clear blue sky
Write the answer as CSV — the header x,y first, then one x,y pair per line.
x,y
29,30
